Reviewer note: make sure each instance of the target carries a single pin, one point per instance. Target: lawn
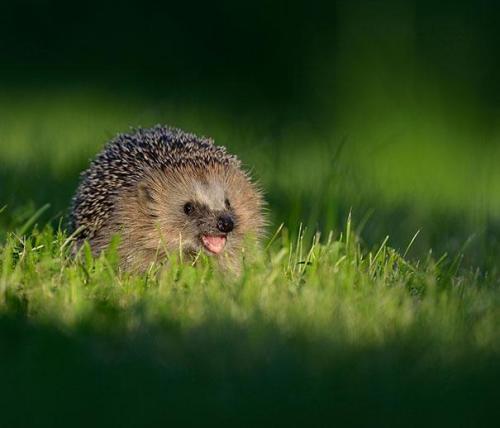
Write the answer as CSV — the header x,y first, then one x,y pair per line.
x,y
389,316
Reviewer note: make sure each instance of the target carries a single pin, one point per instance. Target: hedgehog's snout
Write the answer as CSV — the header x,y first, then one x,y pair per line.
x,y
225,223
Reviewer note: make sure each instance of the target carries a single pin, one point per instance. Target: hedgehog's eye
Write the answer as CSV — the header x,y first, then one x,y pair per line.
x,y
188,208
228,205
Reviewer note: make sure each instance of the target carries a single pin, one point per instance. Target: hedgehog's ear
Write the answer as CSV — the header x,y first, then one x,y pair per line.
x,y
144,195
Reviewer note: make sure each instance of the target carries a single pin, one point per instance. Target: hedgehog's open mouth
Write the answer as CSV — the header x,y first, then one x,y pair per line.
x,y
214,243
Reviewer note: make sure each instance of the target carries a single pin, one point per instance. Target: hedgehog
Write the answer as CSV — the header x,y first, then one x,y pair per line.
x,y
162,190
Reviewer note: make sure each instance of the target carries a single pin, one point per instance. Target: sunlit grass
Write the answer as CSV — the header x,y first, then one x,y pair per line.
x,y
332,289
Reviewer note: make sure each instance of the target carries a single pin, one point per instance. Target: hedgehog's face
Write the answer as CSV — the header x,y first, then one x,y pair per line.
x,y
207,216
211,210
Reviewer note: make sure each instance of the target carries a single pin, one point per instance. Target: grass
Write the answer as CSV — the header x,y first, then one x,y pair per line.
x,y
308,334
347,328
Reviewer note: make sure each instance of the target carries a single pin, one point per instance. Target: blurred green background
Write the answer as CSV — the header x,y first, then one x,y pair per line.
x,y
386,107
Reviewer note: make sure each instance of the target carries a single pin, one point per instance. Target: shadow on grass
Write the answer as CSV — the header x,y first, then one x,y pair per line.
x,y
222,373
26,188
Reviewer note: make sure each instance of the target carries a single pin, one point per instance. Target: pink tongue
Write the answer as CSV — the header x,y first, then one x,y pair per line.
x,y
215,244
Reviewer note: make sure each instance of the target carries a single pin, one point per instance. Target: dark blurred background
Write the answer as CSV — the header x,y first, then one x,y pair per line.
x,y
389,108
293,55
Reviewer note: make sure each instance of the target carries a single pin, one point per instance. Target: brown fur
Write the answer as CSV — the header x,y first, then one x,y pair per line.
x,y
150,221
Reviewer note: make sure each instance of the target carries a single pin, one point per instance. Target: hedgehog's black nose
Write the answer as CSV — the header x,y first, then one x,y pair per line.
x,y
225,224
